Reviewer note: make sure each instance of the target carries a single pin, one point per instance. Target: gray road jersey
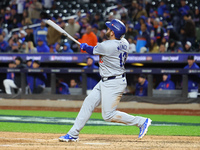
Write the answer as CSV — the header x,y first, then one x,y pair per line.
x,y
113,55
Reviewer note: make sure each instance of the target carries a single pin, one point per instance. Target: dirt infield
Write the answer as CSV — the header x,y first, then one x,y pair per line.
x,y
38,141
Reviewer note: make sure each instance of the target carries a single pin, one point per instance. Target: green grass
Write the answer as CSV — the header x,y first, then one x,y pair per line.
x,y
123,130
39,113
163,118
126,130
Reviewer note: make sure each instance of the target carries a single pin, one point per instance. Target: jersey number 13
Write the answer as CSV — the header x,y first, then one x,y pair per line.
x,y
123,57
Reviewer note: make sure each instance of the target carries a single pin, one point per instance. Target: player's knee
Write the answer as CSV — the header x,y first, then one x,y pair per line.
x,y
107,117
5,82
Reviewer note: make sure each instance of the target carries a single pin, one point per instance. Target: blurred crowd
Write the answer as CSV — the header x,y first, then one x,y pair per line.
x,y
149,28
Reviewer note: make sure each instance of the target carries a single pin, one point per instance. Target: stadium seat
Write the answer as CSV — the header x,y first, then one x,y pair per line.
x,y
73,2
57,3
55,11
167,93
47,11
69,6
198,33
27,90
64,11
75,91
61,7
47,90
78,6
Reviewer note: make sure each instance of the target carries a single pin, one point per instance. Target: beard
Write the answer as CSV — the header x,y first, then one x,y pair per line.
x,y
108,34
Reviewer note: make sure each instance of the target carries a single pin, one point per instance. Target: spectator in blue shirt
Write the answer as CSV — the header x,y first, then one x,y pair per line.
x,y
22,34
41,33
3,44
184,7
141,86
42,46
62,87
67,49
193,80
73,84
16,81
174,46
166,84
52,49
161,8
11,75
7,16
29,65
143,39
92,79
142,20
37,80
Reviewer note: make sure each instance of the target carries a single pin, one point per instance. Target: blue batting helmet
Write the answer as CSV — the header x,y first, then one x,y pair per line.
x,y
117,26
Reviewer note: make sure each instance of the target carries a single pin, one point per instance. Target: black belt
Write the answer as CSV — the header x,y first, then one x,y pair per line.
x,y
112,77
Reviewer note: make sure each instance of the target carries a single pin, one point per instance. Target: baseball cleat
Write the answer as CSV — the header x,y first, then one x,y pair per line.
x,y
67,138
144,128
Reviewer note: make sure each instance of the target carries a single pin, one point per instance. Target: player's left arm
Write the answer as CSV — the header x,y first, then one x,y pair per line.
x,y
87,48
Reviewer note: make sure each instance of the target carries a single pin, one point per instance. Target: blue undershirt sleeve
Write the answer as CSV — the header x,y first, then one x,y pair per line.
x,y
89,49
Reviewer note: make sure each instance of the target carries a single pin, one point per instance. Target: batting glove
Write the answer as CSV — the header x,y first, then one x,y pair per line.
x,y
83,46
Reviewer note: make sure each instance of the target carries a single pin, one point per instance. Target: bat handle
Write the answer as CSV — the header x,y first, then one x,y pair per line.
x,y
77,42
73,39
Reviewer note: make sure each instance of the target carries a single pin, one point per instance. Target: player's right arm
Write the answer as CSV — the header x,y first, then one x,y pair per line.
x,y
100,49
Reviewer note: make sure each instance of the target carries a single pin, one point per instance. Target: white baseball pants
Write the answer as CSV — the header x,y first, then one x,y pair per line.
x,y
108,94
8,84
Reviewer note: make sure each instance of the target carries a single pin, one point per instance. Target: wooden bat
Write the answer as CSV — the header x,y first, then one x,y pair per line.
x,y
59,29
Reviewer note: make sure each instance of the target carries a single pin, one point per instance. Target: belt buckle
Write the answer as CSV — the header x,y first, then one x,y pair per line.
x,y
105,79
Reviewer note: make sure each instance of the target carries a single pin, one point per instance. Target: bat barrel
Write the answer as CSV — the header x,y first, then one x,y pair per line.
x,y
59,29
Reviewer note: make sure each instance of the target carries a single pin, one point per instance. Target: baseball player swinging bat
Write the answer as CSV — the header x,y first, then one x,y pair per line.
x,y
109,90
59,29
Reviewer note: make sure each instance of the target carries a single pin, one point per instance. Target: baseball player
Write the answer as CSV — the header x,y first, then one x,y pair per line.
x,y
108,92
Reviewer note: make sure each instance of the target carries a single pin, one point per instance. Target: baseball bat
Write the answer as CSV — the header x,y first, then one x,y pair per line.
x,y
59,29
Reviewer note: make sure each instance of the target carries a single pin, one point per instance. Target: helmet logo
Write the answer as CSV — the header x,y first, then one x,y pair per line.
x,y
115,26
